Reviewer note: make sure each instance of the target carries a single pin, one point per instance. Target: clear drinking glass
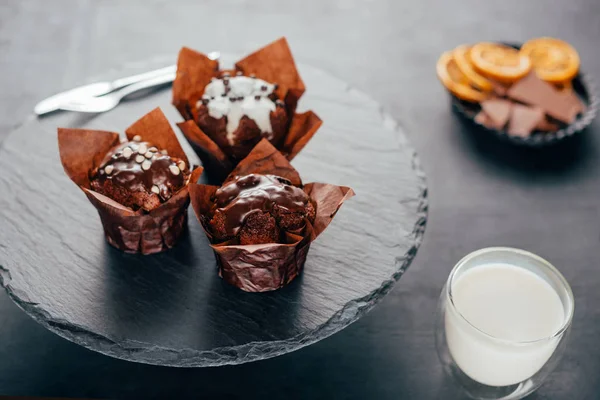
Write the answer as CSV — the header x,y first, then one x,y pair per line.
x,y
489,367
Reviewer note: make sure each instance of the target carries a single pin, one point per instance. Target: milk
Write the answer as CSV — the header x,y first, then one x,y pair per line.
x,y
498,309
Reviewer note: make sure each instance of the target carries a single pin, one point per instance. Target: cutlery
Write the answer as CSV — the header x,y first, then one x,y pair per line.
x,y
111,100
53,103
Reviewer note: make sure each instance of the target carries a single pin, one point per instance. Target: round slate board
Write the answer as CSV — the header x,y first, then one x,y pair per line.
x,y
172,308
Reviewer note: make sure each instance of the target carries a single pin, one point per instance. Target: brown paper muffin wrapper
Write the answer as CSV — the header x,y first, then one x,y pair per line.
x,y
82,151
273,63
266,267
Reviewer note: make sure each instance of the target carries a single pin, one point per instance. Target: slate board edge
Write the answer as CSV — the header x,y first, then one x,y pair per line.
x,y
148,353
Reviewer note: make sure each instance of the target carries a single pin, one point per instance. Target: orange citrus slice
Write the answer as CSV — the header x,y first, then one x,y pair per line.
x,y
463,61
553,60
499,62
455,81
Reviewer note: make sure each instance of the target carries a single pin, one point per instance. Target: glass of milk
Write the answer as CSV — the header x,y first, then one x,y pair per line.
x,y
502,322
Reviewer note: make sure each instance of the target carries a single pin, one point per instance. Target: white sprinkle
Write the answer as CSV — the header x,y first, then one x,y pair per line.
x,y
153,149
149,154
174,170
127,152
165,152
109,169
142,149
139,158
146,165
181,165
155,189
137,138
101,172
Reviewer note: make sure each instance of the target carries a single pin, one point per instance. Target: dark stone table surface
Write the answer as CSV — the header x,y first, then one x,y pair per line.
x,y
481,193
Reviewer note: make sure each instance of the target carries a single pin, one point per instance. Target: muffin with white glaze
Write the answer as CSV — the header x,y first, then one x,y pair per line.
x,y
236,112
228,111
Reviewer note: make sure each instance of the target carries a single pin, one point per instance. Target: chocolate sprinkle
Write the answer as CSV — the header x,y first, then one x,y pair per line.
x,y
257,97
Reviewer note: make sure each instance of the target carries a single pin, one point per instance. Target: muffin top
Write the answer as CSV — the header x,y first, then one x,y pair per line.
x,y
138,175
257,208
237,96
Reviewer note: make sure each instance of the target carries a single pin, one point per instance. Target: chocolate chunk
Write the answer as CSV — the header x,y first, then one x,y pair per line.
x,y
547,126
577,105
523,120
533,91
483,119
498,111
499,89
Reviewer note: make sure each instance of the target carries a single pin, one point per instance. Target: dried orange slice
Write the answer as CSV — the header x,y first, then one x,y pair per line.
x,y
553,60
455,81
463,60
499,62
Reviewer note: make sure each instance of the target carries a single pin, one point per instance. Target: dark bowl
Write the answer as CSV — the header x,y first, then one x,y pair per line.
x,y
583,87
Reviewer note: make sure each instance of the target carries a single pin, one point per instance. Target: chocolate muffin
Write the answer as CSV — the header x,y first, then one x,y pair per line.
x,y
256,209
236,112
139,176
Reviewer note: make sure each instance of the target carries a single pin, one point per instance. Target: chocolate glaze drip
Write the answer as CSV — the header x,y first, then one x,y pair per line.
x,y
129,173
247,194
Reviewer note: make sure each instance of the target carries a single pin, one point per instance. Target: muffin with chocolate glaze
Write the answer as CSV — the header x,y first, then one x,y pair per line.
x,y
261,221
236,112
257,209
138,175
139,186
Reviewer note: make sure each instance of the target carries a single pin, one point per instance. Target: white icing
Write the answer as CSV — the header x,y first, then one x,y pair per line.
x,y
220,105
